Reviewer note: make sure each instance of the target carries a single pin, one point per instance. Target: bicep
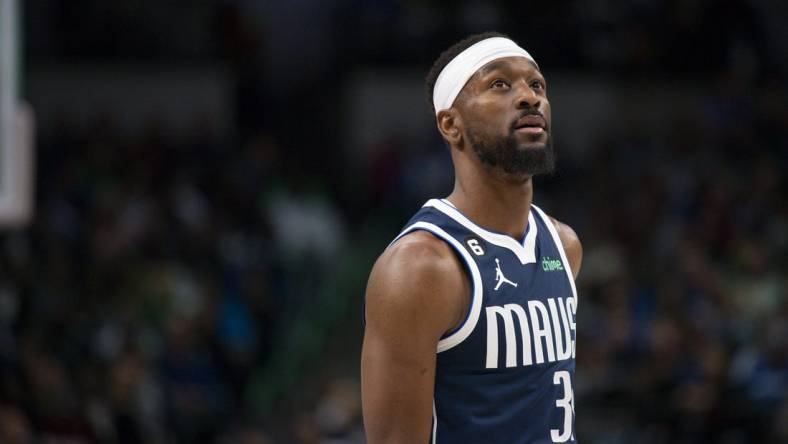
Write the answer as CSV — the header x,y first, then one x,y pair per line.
x,y
397,387
405,318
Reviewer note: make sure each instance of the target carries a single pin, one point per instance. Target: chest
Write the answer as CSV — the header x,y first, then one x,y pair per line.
x,y
506,280
527,313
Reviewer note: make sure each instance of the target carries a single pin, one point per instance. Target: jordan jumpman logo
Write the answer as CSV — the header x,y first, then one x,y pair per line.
x,y
499,277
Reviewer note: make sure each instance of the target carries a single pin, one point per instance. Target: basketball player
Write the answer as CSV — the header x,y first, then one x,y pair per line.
x,y
470,312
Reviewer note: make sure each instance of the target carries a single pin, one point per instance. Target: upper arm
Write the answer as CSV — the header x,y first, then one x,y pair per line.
x,y
411,302
572,246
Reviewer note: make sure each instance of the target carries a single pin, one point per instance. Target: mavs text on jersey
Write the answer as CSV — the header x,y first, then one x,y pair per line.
x,y
505,374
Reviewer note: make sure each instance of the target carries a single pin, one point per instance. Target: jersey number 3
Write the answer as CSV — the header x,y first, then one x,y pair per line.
x,y
568,404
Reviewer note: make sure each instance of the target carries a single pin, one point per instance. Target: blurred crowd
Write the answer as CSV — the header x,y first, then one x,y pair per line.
x,y
208,287
683,319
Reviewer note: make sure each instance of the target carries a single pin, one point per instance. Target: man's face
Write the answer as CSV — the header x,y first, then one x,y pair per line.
x,y
506,117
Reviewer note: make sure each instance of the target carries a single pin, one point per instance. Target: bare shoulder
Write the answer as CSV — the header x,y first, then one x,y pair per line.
x,y
416,279
414,296
572,246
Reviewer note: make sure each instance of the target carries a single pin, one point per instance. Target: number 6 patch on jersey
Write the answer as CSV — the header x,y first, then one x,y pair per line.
x,y
476,245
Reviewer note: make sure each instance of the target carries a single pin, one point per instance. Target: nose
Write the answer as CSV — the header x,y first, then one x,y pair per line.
x,y
526,97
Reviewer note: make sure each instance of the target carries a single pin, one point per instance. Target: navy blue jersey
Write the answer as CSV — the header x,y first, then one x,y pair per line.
x,y
505,375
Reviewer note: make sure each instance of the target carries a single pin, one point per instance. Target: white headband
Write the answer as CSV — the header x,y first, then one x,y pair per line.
x,y
457,72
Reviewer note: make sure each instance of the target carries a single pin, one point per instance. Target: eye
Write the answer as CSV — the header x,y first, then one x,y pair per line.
x,y
537,84
498,83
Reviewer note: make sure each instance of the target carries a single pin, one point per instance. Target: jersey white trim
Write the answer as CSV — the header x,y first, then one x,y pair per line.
x,y
560,245
434,422
525,252
465,330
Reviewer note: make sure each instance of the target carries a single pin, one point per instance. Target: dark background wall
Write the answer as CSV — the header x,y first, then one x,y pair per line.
x,y
215,178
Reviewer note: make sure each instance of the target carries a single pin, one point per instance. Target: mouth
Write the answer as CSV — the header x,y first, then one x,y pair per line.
x,y
530,130
530,124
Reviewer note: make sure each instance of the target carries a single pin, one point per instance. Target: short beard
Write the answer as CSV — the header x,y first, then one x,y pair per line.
x,y
504,153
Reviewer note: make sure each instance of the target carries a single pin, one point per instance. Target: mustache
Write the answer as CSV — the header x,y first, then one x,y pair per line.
x,y
529,112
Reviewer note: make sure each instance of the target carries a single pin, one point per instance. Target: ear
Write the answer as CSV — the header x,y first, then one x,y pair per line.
x,y
450,125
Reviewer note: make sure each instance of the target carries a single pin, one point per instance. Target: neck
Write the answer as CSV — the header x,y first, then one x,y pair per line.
x,y
493,202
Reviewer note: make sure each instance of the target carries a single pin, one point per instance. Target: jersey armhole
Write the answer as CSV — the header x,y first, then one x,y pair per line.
x,y
559,245
460,333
